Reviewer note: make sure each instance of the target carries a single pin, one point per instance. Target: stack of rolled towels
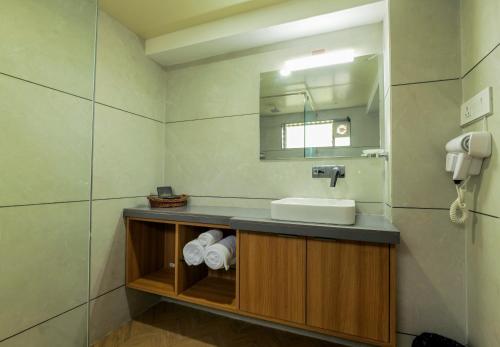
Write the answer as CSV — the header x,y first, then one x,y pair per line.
x,y
211,248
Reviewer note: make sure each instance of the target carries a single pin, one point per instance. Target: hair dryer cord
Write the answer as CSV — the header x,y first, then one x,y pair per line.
x,y
459,205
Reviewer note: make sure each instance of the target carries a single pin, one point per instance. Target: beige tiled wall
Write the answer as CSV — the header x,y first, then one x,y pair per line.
x,y
424,40
128,157
52,142
44,252
431,264
128,166
46,79
108,243
126,79
424,99
426,301
481,69
65,330
45,144
424,118
50,42
480,30
212,133
220,157
483,279
485,195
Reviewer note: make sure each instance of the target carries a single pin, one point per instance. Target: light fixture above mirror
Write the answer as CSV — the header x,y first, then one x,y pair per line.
x,y
317,59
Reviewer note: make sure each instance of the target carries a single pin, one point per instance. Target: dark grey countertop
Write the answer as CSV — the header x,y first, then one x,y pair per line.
x,y
369,228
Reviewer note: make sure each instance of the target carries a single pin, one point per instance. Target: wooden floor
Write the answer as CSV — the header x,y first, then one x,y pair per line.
x,y
171,325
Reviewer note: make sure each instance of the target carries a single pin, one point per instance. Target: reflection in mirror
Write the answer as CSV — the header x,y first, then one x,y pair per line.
x,y
329,111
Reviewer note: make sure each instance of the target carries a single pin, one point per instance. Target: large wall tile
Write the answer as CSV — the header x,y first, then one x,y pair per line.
x,y
128,152
220,157
125,77
45,144
107,263
50,42
229,87
113,309
485,188
431,273
480,30
424,117
66,330
425,40
44,261
483,243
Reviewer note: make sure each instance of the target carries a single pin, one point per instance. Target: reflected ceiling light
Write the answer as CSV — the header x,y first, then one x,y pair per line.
x,y
317,60
285,72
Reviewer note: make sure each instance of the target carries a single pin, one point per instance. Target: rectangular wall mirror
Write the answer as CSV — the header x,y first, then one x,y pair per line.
x,y
322,112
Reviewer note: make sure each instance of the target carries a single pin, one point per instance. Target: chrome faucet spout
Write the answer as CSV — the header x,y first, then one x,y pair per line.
x,y
335,176
333,172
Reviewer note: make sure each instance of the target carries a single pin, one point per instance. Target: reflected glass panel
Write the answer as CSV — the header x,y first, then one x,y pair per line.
x,y
330,111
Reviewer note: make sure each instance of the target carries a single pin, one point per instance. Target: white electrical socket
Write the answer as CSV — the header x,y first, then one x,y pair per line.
x,y
480,105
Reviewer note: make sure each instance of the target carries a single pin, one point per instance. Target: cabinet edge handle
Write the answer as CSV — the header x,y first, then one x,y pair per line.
x,y
290,236
318,238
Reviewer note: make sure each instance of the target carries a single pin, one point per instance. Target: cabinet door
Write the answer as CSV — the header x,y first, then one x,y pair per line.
x,y
272,276
348,288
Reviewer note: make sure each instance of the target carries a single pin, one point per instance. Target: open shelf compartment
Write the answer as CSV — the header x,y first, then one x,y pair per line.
x,y
155,264
201,285
151,257
213,290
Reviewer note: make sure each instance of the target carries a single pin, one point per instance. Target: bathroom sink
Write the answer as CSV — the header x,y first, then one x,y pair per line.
x,y
314,210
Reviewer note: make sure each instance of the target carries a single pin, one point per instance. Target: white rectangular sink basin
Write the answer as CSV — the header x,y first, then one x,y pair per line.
x,y
315,210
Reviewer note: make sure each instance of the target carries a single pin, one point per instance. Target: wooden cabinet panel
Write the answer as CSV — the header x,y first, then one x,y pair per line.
x,y
348,288
272,276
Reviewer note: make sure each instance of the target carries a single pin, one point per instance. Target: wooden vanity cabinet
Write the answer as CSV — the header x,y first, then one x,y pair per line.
x,y
348,288
333,287
273,276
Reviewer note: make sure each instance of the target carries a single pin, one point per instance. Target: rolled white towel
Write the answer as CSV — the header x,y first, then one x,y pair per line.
x,y
222,254
193,252
210,237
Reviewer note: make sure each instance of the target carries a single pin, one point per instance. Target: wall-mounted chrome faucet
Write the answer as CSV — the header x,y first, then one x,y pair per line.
x,y
329,171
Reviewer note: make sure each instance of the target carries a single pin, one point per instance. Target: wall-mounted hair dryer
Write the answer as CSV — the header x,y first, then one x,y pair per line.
x,y
466,154
464,159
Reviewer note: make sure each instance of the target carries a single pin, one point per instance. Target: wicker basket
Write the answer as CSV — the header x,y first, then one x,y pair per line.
x,y
157,202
